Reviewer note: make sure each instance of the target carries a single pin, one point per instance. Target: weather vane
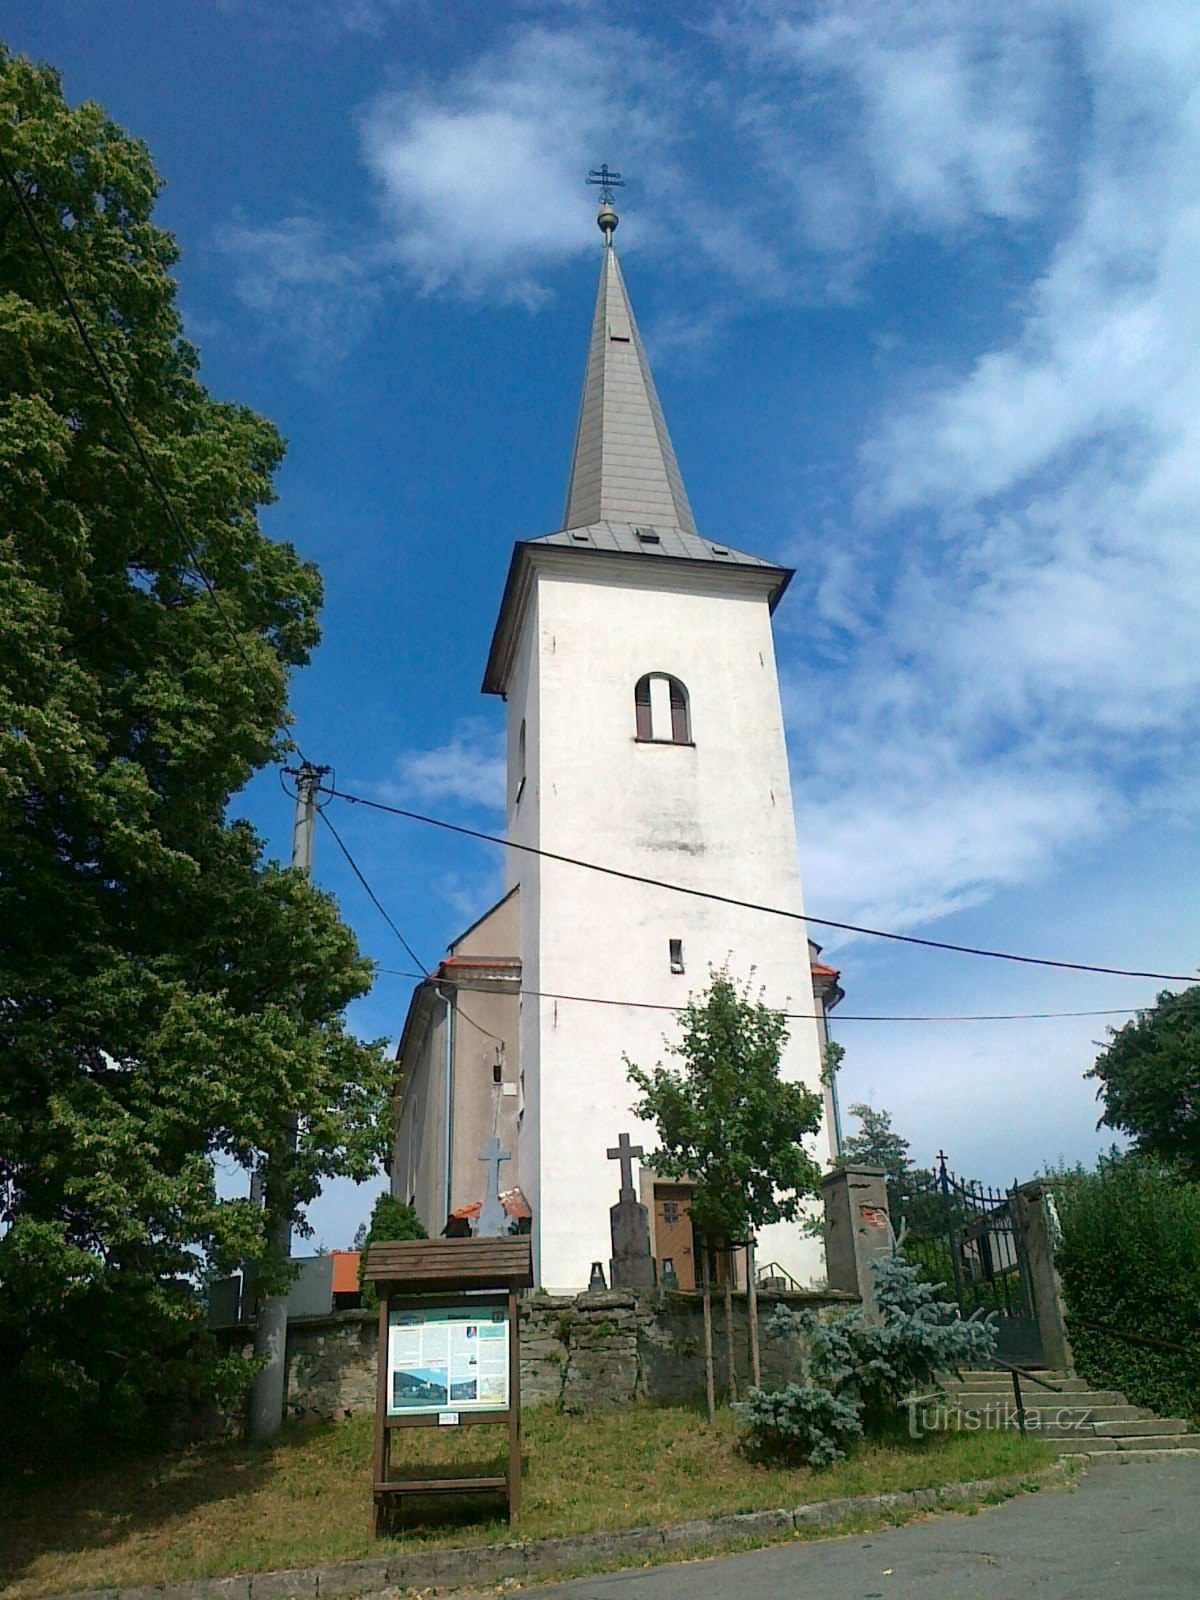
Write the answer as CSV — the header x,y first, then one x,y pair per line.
x,y
607,181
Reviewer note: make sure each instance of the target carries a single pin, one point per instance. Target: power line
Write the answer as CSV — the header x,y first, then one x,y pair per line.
x,y
795,1016
371,895
110,389
383,912
750,905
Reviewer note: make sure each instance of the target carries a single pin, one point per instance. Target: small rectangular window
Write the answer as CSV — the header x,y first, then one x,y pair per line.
x,y
675,947
648,536
580,536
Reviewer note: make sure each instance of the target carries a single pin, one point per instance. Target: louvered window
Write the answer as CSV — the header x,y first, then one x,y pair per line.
x,y
661,711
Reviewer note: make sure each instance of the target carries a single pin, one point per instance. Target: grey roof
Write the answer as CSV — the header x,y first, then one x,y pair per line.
x,y
625,496
623,469
650,539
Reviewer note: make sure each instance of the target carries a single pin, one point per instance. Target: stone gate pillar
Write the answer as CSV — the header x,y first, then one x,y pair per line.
x,y
857,1229
1035,1236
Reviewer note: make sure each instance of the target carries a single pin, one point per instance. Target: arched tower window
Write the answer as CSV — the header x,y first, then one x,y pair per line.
x,y
661,710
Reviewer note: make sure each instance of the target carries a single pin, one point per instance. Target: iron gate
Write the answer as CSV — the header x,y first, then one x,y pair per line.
x,y
965,1236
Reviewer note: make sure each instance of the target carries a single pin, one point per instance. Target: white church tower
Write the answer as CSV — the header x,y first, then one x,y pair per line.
x,y
644,733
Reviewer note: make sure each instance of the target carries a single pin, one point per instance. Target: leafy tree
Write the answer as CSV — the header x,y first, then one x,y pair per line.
x,y
913,1195
876,1144
1149,1076
390,1219
728,1123
168,994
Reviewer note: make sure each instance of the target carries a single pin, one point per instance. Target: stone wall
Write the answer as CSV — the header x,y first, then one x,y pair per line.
x,y
578,1351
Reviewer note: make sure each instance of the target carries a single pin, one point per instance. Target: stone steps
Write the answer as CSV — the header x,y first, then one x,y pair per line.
x,y
1079,1420
1040,1399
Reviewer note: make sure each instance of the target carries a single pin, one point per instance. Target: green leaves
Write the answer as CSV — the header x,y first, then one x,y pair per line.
x,y
728,1121
169,996
1149,1077
1129,1259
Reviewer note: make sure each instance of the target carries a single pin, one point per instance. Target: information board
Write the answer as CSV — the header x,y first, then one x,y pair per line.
x,y
447,1358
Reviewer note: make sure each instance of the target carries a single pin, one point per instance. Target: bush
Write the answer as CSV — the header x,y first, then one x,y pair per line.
x,y
863,1369
391,1219
1129,1259
800,1425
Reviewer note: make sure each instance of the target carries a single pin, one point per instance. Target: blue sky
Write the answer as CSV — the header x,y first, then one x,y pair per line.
x,y
918,284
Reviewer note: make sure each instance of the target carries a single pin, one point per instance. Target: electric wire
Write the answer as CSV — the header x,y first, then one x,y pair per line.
x,y
473,833
64,289
383,912
795,1016
750,905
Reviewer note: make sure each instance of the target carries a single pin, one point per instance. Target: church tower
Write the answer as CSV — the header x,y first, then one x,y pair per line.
x,y
645,733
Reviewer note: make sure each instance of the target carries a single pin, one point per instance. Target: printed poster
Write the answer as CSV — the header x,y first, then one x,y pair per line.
x,y
448,1358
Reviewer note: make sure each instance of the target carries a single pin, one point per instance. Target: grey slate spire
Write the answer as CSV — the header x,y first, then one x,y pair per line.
x,y
623,470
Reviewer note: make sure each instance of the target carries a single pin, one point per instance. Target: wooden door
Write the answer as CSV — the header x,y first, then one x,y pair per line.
x,y
673,1232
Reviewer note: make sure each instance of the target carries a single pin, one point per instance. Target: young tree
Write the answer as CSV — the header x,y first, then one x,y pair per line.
x,y
168,995
727,1122
390,1219
1149,1075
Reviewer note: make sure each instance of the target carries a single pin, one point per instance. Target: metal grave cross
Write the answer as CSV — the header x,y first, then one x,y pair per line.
x,y
493,1222
624,1153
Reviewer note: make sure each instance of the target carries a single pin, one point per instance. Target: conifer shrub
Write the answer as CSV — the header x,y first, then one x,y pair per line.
x,y
856,1374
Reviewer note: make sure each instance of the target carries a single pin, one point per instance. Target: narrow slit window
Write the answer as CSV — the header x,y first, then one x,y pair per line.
x,y
520,790
675,950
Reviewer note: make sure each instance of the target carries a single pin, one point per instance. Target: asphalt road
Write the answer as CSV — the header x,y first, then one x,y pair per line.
x,y
1129,1532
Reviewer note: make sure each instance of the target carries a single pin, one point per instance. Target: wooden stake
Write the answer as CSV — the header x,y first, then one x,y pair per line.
x,y
710,1390
729,1356
752,1314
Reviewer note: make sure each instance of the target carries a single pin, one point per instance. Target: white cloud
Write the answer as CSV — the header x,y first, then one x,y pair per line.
x,y
1028,676
468,768
298,279
481,174
880,116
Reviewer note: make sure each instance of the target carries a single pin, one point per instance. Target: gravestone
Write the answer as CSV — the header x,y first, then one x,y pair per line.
x,y
493,1219
632,1265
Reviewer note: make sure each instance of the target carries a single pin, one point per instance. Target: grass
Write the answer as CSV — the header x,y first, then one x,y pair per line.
x,y
228,1506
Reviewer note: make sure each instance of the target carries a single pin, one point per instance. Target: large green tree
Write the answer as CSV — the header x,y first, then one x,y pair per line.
x,y
166,994
1149,1076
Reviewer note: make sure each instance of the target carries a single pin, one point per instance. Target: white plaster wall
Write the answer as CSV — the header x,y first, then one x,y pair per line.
x,y
717,816
523,827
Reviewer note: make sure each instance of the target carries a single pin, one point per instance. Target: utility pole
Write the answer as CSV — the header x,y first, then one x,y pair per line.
x,y
270,1332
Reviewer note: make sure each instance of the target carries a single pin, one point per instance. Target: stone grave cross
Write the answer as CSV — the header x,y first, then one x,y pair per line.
x,y
625,1153
493,1222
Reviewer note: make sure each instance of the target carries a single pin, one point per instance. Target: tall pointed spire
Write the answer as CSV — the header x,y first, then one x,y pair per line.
x,y
623,469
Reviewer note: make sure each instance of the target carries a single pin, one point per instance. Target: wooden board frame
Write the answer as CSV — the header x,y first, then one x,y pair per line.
x,y
416,1274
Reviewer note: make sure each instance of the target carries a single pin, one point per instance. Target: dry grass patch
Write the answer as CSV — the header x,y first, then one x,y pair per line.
x,y
228,1506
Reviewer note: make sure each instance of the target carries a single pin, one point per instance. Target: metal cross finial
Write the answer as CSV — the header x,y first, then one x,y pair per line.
x,y
607,181
624,1153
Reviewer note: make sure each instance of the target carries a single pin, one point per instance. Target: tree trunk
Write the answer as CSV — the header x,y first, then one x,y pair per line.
x,y
731,1372
710,1390
752,1314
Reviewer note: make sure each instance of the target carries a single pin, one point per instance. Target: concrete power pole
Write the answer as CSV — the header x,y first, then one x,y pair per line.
x,y
270,1333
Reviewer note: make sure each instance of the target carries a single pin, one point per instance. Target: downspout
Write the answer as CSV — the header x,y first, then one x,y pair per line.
x,y
448,1148
833,1089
